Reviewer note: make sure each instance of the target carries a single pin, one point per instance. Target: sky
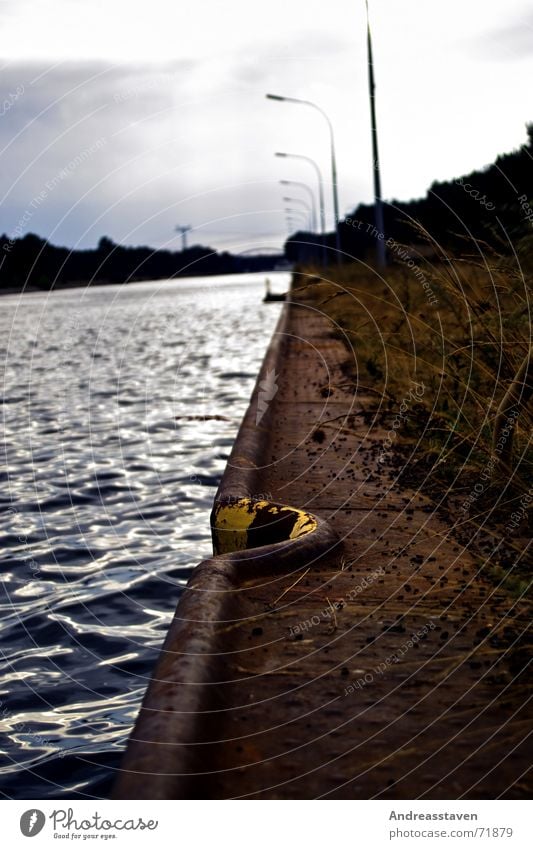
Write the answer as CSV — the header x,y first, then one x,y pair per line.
x,y
126,119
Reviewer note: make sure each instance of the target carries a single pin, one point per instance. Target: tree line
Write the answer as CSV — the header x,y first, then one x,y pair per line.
x,y
493,206
31,262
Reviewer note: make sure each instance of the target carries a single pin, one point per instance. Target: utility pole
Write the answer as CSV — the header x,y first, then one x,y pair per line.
x,y
183,231
378,202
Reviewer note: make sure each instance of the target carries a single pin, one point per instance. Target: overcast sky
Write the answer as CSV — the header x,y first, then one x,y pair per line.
x,y
124,118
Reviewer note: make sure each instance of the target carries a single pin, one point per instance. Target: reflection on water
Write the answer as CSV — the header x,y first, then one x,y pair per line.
x,y
120,405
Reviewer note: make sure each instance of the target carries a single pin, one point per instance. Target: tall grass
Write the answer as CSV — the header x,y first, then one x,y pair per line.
x,y
462,328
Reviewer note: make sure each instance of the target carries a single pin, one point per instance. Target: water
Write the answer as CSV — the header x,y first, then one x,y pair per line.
x,y
111,465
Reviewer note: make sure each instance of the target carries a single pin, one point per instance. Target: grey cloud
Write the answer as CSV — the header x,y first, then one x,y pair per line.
x,y
178,144
509,43
270,56
117,113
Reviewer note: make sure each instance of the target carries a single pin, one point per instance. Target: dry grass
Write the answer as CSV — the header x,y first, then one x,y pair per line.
x,y
462,328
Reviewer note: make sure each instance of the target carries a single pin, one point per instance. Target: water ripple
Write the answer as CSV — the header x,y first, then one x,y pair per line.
x,y
119,407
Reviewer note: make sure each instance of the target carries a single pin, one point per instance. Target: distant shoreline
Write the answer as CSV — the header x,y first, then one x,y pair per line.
x,y
64,287
32,263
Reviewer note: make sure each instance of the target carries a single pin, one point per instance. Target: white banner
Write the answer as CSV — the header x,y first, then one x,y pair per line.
x,y
267,824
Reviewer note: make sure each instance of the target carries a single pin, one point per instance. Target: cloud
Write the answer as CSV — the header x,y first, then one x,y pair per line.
x,y
294,57
180,141
61,113
507,44
178,95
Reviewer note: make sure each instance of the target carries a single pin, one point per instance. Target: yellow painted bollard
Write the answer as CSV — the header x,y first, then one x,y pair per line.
x,y
245,523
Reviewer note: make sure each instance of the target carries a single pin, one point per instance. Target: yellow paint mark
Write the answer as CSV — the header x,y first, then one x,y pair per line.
x,y
233,521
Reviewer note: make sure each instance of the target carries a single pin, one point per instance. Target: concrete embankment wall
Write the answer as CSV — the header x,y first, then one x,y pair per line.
x,y
252,536
363,657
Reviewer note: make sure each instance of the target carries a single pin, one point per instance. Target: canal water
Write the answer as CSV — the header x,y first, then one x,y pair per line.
x,y
120,406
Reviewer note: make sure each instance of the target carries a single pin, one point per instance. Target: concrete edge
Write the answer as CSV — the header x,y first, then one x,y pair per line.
x,y
168,752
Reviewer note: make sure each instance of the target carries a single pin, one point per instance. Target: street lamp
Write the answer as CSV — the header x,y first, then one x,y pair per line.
x,y
303,217
305,250
292,224
320,193
333,158
309,192
305,205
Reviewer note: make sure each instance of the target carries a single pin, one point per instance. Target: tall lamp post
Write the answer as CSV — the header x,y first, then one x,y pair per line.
x,y
381,253
333,159
320,193
309,192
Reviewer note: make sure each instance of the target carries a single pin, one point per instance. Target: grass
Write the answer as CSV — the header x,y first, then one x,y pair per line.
x,y
461,328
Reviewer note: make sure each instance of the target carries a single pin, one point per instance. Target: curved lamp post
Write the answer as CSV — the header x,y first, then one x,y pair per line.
x,y
292,222
303,217
333,158
320,192
305,206
310,193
